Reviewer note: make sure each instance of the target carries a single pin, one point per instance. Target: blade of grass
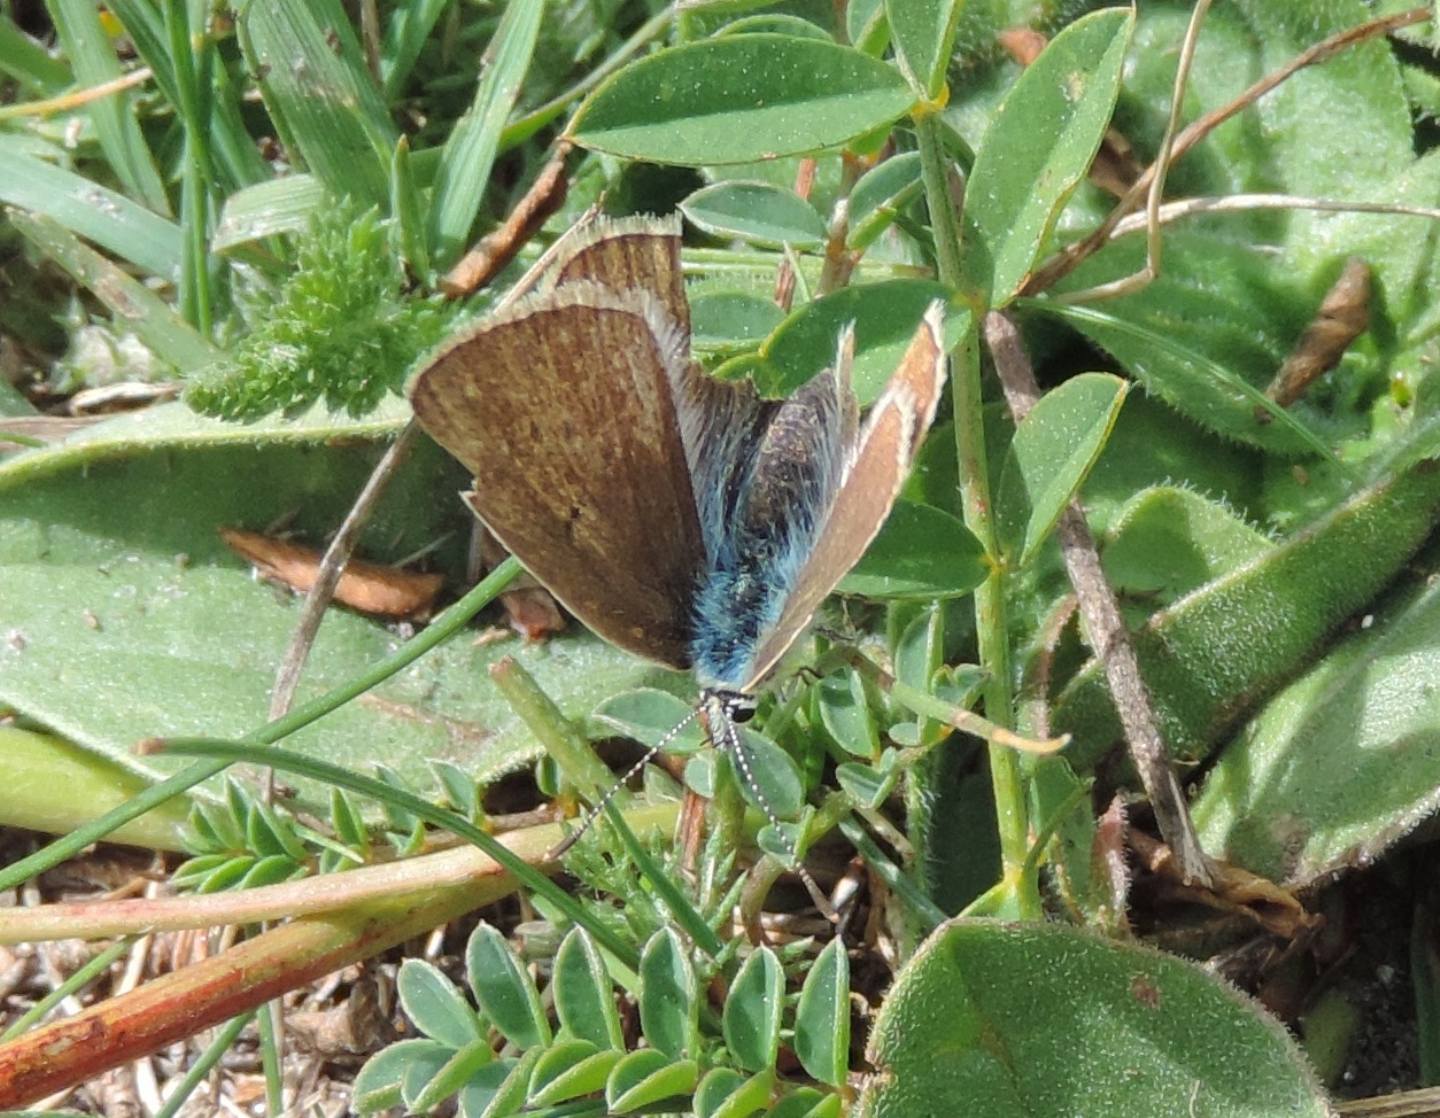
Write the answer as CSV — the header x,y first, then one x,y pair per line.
x,y
469,152
410,25
135,306
281,205
198,178
111,220
29,63
77,22
439,630
319,93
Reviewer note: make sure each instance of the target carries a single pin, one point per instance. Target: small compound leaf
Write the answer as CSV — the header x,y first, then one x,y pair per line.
x,y
503,989
377,1084
1050,457
740,99
757,212
648,715
822,1019
645,1078
435,1005
1038,148
584,998
752,1011
669,996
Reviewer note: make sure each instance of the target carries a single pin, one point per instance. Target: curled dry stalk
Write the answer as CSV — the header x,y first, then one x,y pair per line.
x,y
1105,628
1071,256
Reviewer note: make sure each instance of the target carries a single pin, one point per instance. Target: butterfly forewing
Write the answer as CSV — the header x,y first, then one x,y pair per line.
x,y
888,442
562,410
626,254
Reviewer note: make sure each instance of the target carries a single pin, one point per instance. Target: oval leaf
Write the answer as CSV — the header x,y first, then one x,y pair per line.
x,y
757,212
921,552
648,1077
503,989
1047,1019
752,1011
1049,458
725,1093
435,1005
723,321
768,776
1038,148
648,715
568,1070
885,316
584,999
669,1004
822,1019
923,33
879,195
739,99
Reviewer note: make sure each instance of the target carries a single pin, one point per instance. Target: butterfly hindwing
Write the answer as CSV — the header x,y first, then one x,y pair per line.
x,y
867,489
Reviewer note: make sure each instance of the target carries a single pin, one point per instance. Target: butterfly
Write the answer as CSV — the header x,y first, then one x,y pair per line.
x,y
683,519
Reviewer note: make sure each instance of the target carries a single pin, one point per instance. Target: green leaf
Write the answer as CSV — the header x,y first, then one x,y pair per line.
x,y
751,1020
377,1084
648,715
845,713
865,784
470,148
923,33
53,785
669,996
1050,457
822,1019
768,776
498,1090
111,220
504,990
725,1093
320,95
1206,336
726,321
459,1070
647,1077
136,308
1017,1020
1343,762
739,99
125,515
1167,542
920,553
435,1005
1038,147
776,23
1204,670
283,205
885,317
91,54
756,212
803,1103
584,998
880,194
569,1069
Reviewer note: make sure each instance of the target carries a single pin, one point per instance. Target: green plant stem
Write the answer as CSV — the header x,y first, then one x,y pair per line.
x,y
448,623
891,874
990,614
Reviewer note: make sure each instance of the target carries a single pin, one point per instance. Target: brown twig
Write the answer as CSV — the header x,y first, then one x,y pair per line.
x,y
496,249
1067,259
785,274
1105,628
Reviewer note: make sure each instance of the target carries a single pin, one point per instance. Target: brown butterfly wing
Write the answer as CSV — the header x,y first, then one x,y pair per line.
x,y
626,254
562,410
892,434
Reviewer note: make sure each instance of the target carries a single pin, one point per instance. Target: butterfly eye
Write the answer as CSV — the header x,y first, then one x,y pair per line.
x,y
740,709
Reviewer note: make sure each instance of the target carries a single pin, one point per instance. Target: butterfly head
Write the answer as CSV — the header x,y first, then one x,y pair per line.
x,y
722,706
